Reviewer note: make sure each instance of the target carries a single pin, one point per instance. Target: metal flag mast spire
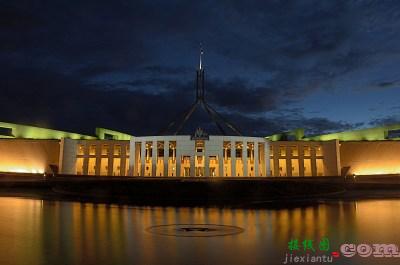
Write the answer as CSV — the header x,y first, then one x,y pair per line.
x,y
219,121
201,53
200,79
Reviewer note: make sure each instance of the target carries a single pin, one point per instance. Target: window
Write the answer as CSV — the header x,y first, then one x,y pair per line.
x,y
81,149
127,150
282,150
271,151
6,131
104,149
160,149
171,151
92,150
393,134
318,151
271,166
116,167
228,153
295,167
92,166
149,150
238,153
227,149
294,151
108,136
282,167
199,145
117,150
104,166
307,167
79,166
239,147
250,150
160,152
127,167
320,167
306,151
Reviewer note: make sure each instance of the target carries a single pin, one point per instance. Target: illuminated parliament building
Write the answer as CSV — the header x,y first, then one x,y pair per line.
x,y
29,149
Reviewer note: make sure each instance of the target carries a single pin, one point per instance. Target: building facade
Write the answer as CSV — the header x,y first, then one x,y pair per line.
x,y
215,156
304,158
27,149
94,157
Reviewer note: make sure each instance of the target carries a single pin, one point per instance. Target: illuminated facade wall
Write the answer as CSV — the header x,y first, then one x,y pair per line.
x,y
361,152
219,156
94,157
370,158
28,156
382,133
12,130
304,158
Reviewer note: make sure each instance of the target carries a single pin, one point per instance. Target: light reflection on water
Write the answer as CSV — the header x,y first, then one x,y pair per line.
x,y
52,232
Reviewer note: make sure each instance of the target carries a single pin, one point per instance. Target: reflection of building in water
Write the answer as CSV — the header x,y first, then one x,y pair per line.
x,y
87,233
88,226
314,222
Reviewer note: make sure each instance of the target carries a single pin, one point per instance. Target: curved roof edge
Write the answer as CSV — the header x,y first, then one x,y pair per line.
x,y
13,130
107,134
381,133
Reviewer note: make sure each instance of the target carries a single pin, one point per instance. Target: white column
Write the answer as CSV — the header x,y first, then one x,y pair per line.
x,y
221,160
233,159
192,164
178,160
166,157
154,159
98,158
244,159
267,160
262,170
313,161
110,160
207,172
256,162
131,164
142,157
67,156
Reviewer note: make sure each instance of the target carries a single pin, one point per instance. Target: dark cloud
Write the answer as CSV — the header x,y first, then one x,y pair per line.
x,y
262,126
387,83
163,70
63,102
388,120
60,101
90,71
129,65
237,95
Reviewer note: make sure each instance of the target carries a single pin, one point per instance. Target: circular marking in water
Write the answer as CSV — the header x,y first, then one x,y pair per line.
x,y
194,230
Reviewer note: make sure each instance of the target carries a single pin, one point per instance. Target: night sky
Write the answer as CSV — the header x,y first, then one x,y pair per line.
x,y
130,65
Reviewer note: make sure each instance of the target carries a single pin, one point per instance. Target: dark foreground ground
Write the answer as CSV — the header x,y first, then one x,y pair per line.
x,y
232,192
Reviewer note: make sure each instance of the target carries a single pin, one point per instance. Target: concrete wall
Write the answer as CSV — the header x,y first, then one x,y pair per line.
x,y
375,157
332,163
363,157
28,156
67,156
329,154
213,147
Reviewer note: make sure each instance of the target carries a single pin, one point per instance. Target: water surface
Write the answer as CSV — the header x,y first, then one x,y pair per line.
x,y
54,232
